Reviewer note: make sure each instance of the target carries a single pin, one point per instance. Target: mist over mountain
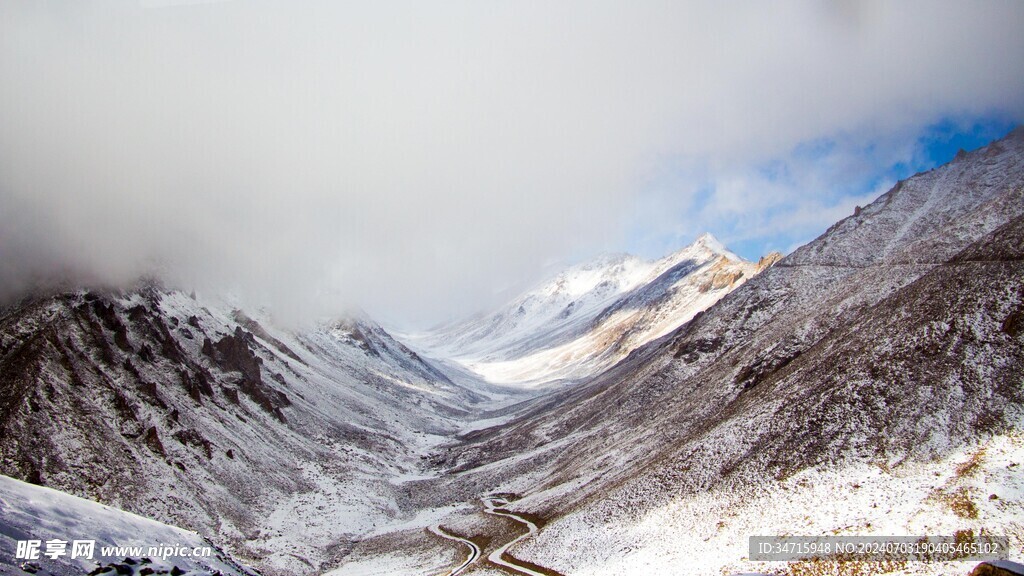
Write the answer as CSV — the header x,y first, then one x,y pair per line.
x,y
411,160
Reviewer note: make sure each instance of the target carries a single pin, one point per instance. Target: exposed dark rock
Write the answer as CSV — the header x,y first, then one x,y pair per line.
x,y
232,353
1014,323
152,440
137,313
687,348
196,384
208,348
231,394
18,377
765,366
195,439
169,346
130,368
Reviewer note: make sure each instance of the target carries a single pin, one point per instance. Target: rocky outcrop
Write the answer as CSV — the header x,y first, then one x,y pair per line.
x,y
724,274
233,353
768,260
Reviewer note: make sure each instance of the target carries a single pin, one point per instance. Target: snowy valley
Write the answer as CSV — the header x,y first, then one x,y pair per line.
x,y
624,417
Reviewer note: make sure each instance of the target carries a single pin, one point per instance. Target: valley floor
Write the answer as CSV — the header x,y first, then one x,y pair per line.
x,y
977,490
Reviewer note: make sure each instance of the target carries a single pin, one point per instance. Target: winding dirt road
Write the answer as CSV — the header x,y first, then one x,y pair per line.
x,y
500,557
495,505
474,550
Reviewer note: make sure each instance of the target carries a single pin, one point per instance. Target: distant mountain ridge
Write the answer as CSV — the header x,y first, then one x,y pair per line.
x,y
593,314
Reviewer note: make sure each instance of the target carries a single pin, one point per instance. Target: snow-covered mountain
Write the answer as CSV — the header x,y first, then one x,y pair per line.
x,y
867,384
282,447
591,315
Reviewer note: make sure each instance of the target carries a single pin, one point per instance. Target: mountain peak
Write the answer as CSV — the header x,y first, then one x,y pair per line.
x,y
706,246
707,240
706,237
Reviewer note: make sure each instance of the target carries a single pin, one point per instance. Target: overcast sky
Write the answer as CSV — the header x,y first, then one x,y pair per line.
x,y
415,158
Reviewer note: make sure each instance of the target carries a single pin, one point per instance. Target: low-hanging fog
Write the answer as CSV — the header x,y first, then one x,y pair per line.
x,y
414,158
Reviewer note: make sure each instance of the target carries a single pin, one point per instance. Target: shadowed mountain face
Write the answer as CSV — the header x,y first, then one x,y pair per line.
x,y
196,414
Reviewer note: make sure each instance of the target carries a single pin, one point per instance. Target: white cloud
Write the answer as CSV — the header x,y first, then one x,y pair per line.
x,y
413,156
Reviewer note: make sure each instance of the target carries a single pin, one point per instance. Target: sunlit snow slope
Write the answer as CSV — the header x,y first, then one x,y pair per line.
x,y
592,315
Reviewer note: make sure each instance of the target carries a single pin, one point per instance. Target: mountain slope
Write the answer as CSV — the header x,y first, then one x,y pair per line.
x,y
930,373
891,341
282,447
